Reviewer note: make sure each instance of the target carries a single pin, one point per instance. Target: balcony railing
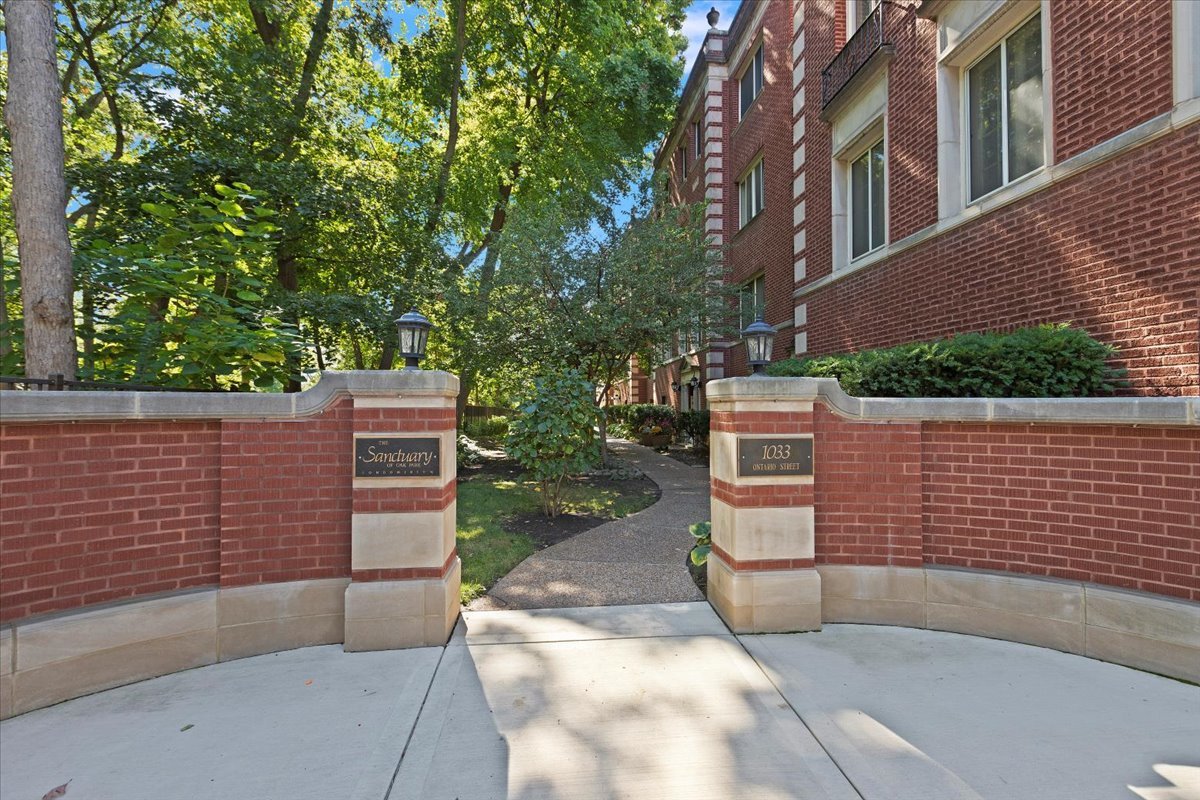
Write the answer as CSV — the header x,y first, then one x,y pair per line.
x,y
863,45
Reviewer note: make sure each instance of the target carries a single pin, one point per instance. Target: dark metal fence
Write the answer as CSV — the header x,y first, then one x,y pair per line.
x,y
853,56
483,412
59,383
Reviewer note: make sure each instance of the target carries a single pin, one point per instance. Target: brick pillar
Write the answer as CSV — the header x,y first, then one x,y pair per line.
x,y
761,575
405,572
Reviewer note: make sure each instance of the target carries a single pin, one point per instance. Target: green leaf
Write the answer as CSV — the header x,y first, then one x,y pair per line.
x,y
248,296
160,211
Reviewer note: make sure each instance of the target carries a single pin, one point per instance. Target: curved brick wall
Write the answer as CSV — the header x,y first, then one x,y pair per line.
x,y
145,533
1072,524
1118,506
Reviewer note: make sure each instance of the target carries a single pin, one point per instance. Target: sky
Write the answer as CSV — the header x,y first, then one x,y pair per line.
x,y
695,26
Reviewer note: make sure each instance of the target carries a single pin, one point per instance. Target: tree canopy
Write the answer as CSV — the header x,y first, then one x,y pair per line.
x,y
258,188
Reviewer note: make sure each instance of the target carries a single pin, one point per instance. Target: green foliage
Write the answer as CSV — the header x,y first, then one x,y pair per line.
x,y
467,452
1042,361
486,427
695,424
702,533
633,419
392,163
554,435
182,303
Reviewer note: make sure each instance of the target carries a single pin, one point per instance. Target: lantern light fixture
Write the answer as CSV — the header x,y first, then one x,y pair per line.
x,y
760,339
413,328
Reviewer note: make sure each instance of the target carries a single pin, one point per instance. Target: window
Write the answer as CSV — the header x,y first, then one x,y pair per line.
x,y
1004,110
859,11
750,195
752,301
683,161
867,210
698,136
752,82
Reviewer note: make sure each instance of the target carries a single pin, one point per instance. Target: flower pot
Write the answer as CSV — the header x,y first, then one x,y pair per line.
x,y
655,440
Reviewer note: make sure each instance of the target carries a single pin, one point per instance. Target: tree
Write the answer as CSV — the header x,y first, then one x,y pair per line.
x,y
33,113
569,297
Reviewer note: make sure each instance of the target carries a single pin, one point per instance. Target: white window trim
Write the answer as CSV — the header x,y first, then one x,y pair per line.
x,y
744,220
1185,51
859,124
960,50
849,161
750,283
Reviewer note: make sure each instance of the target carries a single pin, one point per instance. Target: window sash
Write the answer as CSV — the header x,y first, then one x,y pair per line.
x,y
751,83
751,199
1006,128
752,301
867,201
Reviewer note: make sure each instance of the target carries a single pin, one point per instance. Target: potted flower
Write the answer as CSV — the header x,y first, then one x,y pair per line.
x,y
657,432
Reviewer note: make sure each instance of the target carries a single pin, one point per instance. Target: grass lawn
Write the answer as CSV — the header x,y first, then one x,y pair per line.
x,y
491,498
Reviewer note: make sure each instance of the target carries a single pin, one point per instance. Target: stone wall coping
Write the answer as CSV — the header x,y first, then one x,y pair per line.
x,y
69,406
1157,411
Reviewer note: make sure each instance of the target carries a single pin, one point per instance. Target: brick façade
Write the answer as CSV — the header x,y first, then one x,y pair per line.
x,y
1114,249
100,512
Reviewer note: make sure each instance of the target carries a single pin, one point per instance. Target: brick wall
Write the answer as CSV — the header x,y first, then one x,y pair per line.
x,y
1114,250
1110,505
1112,69
764,245
1118,506
867,481
285,498
97,512
911,147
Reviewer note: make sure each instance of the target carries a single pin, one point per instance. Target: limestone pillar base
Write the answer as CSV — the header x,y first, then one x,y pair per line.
x,y
393,615
770,601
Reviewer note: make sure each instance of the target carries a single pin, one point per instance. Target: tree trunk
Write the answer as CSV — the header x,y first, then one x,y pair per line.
x,y
33,113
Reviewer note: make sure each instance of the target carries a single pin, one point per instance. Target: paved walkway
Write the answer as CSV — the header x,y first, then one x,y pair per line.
x,y
626,702
638,559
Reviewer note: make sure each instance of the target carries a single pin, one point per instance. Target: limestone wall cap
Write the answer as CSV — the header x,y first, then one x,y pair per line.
x,y
42,406
1066,410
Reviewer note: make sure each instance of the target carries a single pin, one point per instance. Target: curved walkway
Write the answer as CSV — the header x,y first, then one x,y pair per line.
x,y
638,559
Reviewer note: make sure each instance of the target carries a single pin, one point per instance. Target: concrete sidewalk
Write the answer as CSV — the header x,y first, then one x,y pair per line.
x,y
630,701
638,559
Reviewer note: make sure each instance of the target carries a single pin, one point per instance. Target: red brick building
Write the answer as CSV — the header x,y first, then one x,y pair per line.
x,y
959,165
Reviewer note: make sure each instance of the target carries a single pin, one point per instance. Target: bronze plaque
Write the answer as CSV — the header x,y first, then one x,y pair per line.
x,y
397,457
766,457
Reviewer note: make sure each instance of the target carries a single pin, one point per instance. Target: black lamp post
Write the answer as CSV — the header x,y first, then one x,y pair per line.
x,y
414,335
760,338
694,383
675,386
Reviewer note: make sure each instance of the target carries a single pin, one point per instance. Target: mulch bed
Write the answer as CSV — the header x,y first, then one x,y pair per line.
x,y
543,530
688,456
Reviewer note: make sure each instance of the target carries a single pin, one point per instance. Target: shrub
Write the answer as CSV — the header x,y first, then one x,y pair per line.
x,y
467,452
695,424
636,418
1043,361
486,428
554,436
702,533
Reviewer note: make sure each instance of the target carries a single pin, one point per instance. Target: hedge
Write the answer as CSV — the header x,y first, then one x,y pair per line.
x,y
1043,361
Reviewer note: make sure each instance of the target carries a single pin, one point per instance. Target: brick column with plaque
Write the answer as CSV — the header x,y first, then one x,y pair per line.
x,y
405,571
761,575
